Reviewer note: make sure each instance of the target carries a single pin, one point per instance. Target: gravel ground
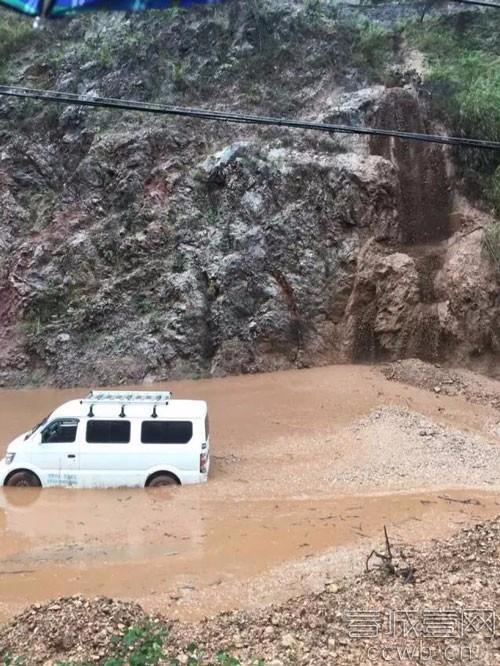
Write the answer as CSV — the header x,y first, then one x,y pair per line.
x,y
398,449
69,628
455,381
460,576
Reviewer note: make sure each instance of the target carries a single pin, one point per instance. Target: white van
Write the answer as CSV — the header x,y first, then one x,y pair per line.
x,y
113,439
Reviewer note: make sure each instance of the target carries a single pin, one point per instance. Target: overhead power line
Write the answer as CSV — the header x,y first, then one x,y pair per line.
x,y
144,107
432,3
481,3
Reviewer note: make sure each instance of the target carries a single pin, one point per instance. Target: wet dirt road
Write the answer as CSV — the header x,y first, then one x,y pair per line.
x,y
269,524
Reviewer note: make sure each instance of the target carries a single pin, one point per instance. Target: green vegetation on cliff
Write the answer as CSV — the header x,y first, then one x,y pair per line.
x,y
15,33
463,79
275,48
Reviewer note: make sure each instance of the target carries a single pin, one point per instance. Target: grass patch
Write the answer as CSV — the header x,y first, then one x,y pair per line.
x,y
372,49
15,33
463,60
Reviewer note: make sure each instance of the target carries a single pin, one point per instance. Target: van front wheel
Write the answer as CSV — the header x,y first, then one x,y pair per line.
x,y
23,479
161,480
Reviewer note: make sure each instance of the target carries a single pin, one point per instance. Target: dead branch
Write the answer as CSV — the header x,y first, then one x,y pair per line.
x,y
387,543
387,564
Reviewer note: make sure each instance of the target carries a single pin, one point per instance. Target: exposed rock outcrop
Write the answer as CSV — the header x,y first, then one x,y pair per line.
x,y
419,303
135,249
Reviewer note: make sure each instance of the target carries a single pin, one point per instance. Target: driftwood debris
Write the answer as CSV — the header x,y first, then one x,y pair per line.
x,y
388,565
446,498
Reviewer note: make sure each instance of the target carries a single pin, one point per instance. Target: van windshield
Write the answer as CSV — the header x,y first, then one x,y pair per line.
x,y
38,425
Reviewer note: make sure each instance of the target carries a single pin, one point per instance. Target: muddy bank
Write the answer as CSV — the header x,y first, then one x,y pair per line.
x,y
357,619
307,465
460,573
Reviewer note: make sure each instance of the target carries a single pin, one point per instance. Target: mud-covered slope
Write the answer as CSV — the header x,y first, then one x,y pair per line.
x,y
134,247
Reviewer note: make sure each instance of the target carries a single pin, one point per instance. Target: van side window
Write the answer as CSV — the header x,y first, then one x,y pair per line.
x,y
166,432
108,432
61,431
207,427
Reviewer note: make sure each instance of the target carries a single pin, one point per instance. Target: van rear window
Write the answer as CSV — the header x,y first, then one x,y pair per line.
x,y
108,432
166,432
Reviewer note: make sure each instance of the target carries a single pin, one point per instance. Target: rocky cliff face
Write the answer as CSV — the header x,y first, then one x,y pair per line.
x,y
137,249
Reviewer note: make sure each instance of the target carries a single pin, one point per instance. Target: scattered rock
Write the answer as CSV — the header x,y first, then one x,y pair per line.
x,y
288,641
333,588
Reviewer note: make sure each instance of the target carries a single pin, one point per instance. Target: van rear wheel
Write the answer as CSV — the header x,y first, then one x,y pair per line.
x,y
161,480
23,480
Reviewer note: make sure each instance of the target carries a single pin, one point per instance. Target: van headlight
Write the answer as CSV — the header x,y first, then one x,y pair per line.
x,y
9,457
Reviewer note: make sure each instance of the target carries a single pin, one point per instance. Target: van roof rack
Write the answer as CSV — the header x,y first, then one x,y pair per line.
x,y
128,397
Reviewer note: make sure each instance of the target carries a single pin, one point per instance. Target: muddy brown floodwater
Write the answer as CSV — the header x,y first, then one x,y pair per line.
x,y
273,521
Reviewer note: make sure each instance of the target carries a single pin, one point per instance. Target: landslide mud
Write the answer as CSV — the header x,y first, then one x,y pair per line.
x,y
273,520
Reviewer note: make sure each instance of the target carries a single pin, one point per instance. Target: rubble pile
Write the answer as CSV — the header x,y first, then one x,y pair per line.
x,y
445,381
446,609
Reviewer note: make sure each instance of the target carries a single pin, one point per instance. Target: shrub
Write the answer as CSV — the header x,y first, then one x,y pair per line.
x,y
463,78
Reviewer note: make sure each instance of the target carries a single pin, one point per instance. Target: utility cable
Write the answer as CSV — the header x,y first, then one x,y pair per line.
x,y
480,3
202,114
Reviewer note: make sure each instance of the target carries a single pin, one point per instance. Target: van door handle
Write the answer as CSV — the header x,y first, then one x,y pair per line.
x,y
71,455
